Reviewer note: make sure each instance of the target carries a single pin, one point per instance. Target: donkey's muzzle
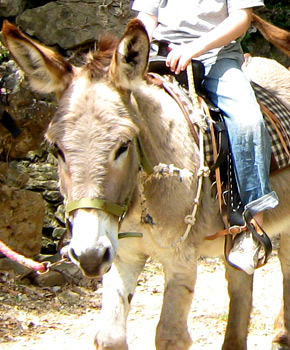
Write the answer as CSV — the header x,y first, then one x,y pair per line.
x,y
93,262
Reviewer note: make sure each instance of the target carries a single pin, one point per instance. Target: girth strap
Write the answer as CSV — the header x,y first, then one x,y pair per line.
x,y
233,230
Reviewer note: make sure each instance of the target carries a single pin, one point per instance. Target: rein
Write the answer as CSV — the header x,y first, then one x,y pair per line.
x,y
34,265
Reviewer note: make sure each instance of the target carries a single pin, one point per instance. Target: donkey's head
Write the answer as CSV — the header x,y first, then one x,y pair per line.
x,y
94,133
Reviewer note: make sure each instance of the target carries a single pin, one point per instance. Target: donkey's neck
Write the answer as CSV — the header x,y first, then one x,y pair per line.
x,y
163,129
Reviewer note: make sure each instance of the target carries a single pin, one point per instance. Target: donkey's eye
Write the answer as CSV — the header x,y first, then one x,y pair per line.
x,y
122,149
59,153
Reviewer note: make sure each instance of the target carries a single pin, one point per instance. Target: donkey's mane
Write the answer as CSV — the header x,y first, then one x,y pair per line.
x,y
97,61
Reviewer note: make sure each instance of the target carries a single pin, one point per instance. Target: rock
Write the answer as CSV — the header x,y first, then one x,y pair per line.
x,y
8,265
59,275
58,233
60,214
30,111
70,23
48,246
10,8
15,177
52,196
50,221
21,220
50,279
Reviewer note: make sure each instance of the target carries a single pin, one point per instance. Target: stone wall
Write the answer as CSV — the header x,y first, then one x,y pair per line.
x,y
22,207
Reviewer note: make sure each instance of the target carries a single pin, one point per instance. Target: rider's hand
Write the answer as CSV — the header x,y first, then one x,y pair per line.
x,y
180,55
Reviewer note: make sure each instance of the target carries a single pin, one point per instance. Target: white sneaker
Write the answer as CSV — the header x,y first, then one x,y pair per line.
x,y
244,253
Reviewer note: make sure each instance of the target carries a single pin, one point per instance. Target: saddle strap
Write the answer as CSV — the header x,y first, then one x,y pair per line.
x,y
220,147
233,230
260,235
216,169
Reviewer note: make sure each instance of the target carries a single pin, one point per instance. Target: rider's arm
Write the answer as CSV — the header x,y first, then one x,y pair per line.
x,y
234,26
150,22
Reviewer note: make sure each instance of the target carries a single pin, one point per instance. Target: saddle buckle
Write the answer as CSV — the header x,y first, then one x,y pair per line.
x,y
236,229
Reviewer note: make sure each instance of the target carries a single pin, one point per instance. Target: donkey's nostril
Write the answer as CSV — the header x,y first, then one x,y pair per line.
x,y
72,254
107,256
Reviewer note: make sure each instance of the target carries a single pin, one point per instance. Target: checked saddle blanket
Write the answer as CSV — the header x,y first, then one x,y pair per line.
x,y
277,120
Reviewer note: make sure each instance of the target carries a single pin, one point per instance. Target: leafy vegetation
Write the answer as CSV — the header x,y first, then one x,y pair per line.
x,y
3,53
278,13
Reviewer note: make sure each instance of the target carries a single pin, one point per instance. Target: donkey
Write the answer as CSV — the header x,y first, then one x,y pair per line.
x,y
268,72
109,118
277,36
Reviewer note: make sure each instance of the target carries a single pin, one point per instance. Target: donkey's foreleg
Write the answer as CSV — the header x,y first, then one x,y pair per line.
x,y
281,340
172,332
240,286
118,289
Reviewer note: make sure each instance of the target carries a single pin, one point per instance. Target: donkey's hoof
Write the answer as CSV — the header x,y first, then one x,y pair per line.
x,y
276,346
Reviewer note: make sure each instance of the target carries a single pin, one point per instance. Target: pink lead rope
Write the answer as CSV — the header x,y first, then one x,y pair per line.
x,y
36,266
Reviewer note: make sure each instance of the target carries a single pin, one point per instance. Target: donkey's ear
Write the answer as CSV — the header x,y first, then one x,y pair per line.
x,y
46,69
131,56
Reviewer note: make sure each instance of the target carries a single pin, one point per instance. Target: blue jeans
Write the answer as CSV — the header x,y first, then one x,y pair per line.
x,y
250,143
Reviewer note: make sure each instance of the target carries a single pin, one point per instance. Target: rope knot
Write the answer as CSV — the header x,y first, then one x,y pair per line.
x,y
203,171
189,220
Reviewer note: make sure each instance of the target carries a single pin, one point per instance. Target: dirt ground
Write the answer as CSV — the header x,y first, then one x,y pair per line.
x,y
66,317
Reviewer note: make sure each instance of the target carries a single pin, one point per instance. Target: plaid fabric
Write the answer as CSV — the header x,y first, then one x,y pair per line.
x,y
282,113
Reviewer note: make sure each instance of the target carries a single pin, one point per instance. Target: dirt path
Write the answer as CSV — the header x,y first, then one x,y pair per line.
x,y
52,319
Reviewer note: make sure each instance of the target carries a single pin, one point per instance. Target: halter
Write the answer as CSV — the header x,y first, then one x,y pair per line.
x,y
108,206
96,203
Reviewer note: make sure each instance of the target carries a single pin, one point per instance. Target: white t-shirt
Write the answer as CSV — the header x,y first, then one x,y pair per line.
x,y
181,21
